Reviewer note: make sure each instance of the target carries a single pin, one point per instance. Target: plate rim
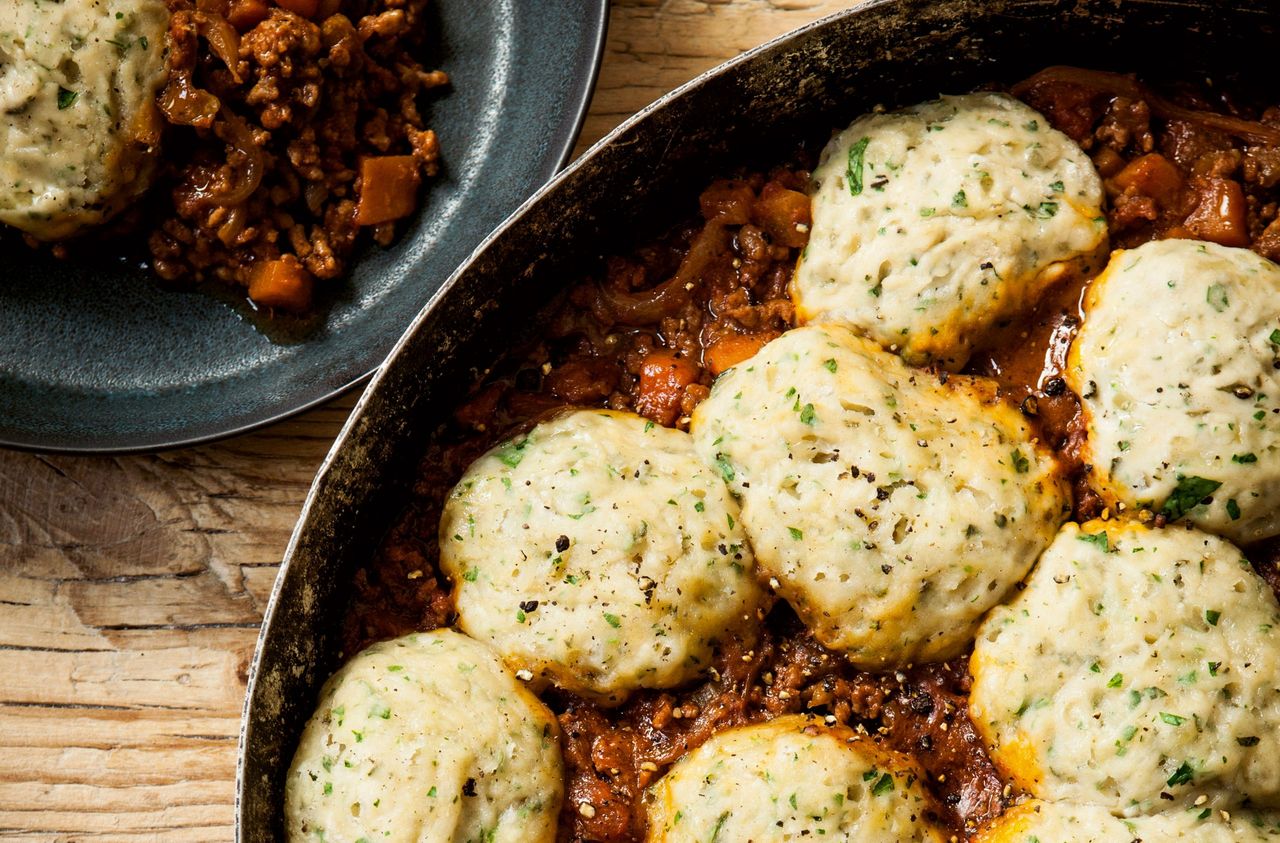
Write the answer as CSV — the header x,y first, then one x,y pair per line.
x,y
562,144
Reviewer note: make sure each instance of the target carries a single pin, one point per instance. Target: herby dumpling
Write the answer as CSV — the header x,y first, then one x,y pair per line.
x,y
935,224
599,553
426,737
1176,367
1066,822
79,129
1138,670
791,779
891,510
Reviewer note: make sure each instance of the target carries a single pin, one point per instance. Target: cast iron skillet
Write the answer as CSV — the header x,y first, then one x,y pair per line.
x,y
644,177
96,356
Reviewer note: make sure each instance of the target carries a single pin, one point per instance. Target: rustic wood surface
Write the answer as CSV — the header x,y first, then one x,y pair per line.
x,y
131,588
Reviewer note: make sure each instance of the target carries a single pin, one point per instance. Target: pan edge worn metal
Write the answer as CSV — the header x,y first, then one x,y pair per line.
x,y
752,109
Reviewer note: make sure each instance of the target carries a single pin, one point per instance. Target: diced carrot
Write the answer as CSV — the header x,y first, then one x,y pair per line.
x,y
727,352
281,283
1152,175
306,8
388,188
663,378
246,14
784,214
1219,214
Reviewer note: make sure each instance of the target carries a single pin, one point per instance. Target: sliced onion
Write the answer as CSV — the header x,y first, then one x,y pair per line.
x,y
1118,85
186,105
649,306
223,39
232,129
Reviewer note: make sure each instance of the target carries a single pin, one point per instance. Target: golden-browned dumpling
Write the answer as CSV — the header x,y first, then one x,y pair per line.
x,y
790,779
934,224
1176,366
1138,670
78,122
892,510
1065,822
597,551
426,737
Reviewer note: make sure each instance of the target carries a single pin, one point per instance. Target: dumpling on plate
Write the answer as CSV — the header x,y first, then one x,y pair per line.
x,y
79,128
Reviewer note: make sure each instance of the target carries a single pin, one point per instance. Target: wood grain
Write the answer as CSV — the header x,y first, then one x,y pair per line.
x,y
131,588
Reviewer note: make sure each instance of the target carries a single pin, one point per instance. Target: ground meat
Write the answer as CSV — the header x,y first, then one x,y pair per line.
x,y
285,109
649,332
614,755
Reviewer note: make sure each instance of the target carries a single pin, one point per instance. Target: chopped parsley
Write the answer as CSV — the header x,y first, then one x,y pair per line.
x,y
1182,775
1187,495
1244,459
795,534
1211,616
613,620
1020,463
807,415
66,98
857,161
883,785
513,453
1216,296
1099,540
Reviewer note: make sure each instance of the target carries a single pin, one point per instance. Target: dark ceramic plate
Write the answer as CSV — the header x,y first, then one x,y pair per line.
x,y
96,356
642,178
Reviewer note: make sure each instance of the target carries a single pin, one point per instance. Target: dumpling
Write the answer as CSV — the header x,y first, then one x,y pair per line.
x,y
1176,368
791,779
79,129
426,737
598,552
891,510
935,224
1139,669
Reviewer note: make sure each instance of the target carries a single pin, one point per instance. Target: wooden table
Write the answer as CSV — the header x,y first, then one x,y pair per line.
x,y
131,588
